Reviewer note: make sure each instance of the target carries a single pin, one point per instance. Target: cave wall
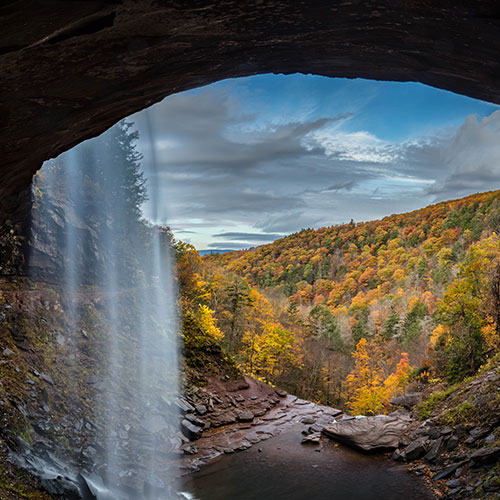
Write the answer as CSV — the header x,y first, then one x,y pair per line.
x,y
69,69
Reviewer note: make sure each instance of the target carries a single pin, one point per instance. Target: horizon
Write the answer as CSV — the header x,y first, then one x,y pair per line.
x,y
451,200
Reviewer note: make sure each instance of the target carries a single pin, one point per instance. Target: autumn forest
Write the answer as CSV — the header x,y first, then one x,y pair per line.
x,y
350,315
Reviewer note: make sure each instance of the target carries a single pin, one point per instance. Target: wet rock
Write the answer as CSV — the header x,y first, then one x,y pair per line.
x,y
369,433
447,471
246,416
239,398
195,420
436,448
315,428
312,438
60,486
416,449
184,406
191,430
486,455
153,485
201,409
259,413
308,420
154,423
190,449
223,419
398,455
281,393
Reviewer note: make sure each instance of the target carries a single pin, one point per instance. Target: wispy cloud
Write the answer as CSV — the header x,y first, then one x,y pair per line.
x,y
249,237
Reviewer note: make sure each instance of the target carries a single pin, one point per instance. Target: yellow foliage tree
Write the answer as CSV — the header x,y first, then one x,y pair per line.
x,y
364,383
397,381
369,393
208,323
267,354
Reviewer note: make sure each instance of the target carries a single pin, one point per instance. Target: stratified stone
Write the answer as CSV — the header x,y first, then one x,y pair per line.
x,y
191,430
368,433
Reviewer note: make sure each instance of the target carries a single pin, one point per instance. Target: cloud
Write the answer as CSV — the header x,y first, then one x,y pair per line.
x,y
472,157
348,186
228,245
249,236
221,172
183,231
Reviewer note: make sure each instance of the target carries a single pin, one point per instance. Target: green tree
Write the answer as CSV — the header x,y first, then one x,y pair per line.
x,y
322,324
390,328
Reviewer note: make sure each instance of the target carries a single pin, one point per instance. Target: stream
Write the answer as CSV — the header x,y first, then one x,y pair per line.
x,y
283,468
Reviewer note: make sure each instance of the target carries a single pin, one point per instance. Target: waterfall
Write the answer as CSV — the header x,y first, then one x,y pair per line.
x,y
91,242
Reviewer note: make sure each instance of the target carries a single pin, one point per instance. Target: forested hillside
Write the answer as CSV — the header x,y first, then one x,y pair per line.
x,y
352,313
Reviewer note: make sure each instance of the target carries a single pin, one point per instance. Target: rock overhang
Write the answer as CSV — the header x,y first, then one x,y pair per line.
x,y
67,74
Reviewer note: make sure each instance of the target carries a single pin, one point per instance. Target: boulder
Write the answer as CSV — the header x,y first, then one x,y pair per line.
x,y
407,401
368,433
246,416
486,455
437,447
416,449
191,430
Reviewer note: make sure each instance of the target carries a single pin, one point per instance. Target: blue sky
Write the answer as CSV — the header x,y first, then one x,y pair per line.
x,y
392,111
244,161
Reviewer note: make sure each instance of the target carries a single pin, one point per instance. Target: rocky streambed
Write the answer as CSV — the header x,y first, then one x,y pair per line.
x,y
451,461
284,451
233,416
283,439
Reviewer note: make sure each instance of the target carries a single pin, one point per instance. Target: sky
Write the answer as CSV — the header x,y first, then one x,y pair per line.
x,y
243,162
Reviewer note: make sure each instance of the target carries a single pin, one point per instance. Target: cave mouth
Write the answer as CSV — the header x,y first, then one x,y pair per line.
x,y
240,163
245,162
71,73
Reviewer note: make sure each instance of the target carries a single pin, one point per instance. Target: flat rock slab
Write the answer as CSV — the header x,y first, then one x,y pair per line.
x,y
239,435
368,433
